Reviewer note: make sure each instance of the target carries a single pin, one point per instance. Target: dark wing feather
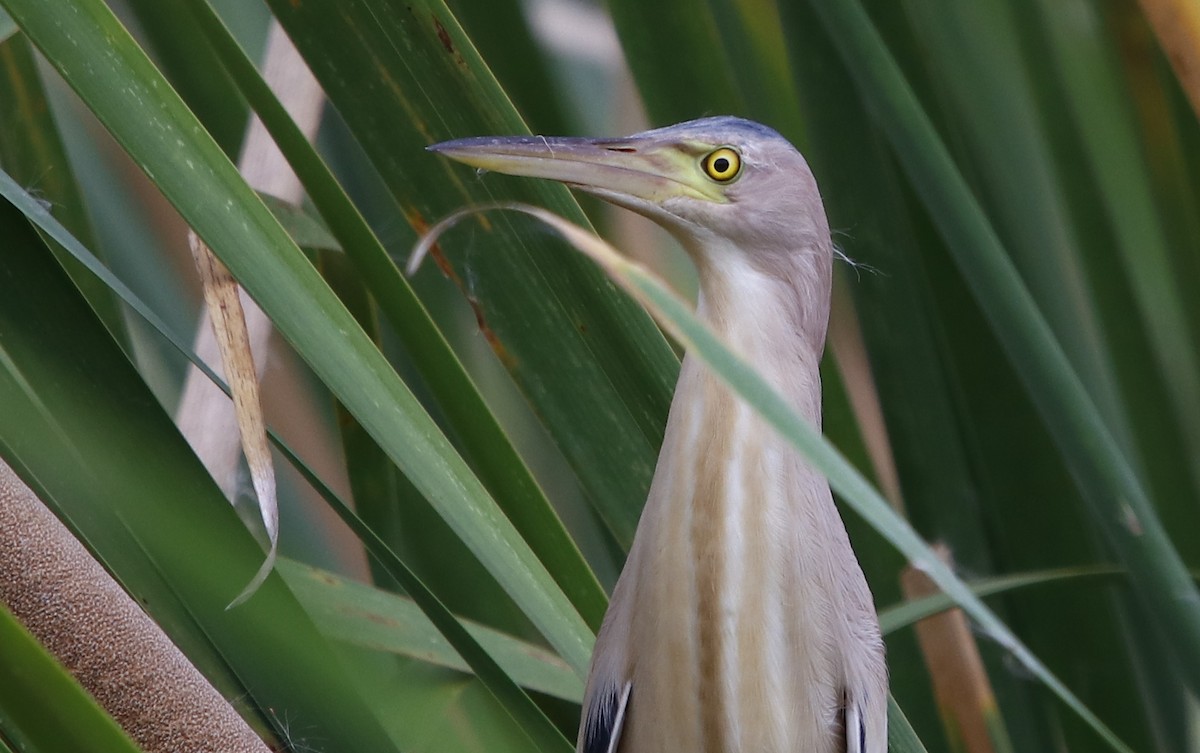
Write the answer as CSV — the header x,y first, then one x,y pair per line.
x,y
604,719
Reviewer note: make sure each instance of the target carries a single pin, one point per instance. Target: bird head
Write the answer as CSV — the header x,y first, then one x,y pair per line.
x,y
721,185
738,196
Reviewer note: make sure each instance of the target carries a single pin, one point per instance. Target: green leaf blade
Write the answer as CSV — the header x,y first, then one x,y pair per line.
x,y
150,121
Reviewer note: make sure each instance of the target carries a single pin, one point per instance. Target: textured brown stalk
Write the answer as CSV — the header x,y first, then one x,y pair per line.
x,y
70,604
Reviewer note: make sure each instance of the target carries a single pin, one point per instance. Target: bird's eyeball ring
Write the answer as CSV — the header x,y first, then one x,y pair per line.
x,y
722,165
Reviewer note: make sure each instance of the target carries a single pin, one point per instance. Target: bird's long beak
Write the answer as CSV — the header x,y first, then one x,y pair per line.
x,y
615,169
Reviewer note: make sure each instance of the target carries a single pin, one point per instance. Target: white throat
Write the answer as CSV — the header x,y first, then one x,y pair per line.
x,y
776,322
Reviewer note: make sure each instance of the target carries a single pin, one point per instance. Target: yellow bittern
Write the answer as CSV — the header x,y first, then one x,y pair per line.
x,y
742,622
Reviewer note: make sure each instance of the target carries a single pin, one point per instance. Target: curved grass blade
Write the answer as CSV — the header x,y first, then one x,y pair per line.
x,y
83,431
370,617
150,121
595,369
501,30
542,733
491,452
902,738
676,317
373,618
737,61
901,616
528,716
992,113
1118,501
1093,85
305,227
193,70
33,152
865,201
742,41
656,37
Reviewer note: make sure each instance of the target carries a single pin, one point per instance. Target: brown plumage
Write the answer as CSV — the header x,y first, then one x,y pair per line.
x,y
742,622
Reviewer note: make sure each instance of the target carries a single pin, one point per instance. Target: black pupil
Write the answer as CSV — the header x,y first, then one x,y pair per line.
x,y
721,164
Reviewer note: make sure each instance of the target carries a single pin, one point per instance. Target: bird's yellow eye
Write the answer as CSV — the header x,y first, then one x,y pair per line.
x,y
722,165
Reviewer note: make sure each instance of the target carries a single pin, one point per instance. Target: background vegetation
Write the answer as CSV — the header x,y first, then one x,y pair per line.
x,y
1017,364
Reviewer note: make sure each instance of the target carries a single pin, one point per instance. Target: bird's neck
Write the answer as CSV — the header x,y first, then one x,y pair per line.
x,y
726,599
774,319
